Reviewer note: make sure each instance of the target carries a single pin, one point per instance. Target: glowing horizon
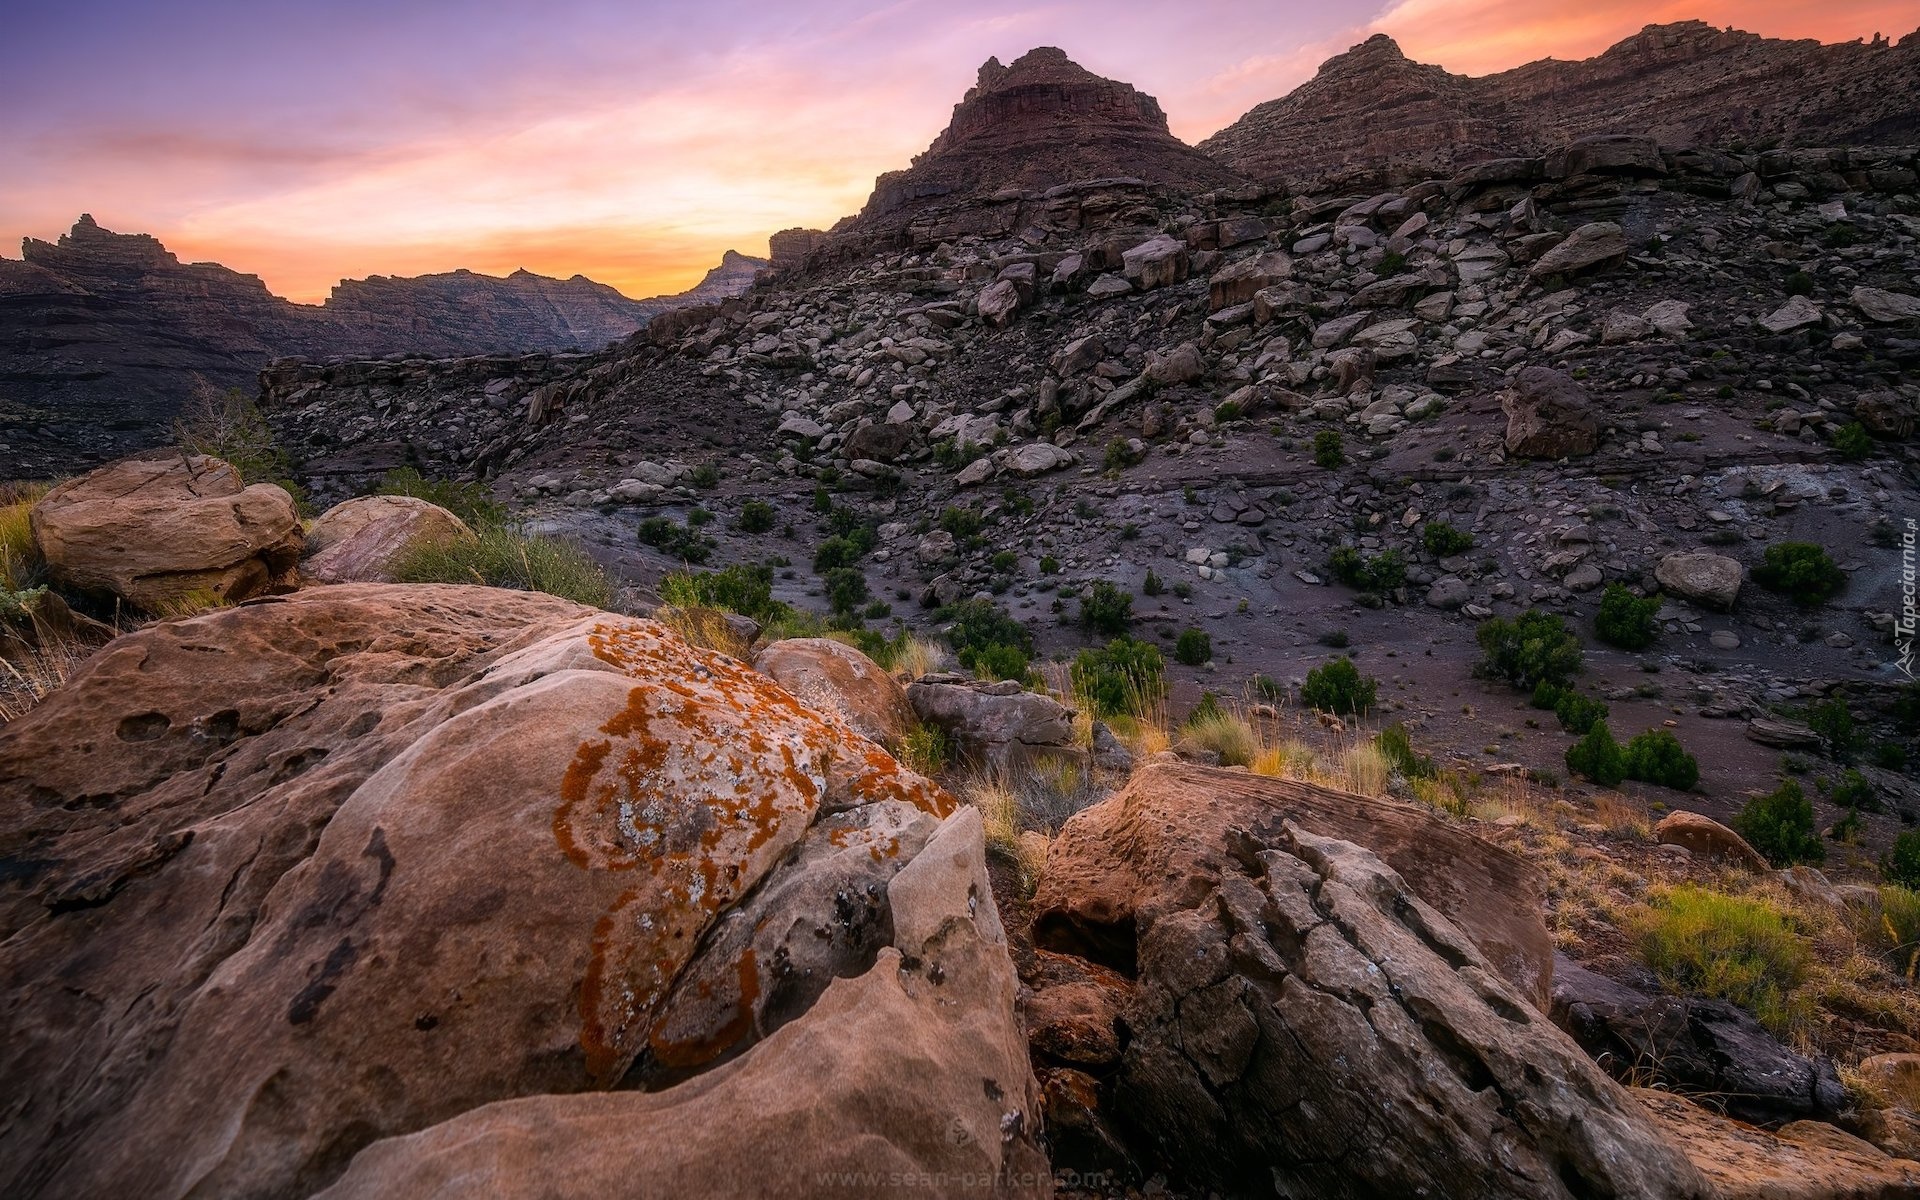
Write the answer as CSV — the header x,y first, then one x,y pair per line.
x,y
634,145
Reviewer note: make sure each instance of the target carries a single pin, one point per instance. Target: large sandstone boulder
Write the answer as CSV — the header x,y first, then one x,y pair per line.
x,y
359,540
1303,1019
345,865
1878,304
997,721
165,526
1549,415
1240,282
1709,579
1158,262
833,678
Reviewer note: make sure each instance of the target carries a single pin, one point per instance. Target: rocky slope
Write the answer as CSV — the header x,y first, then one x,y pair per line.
x,y
1376,115
103,335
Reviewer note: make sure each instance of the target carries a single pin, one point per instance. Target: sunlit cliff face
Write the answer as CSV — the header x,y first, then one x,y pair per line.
x,y
634,142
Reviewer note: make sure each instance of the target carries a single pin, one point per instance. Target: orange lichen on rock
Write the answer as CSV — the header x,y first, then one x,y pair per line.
x,y
704,779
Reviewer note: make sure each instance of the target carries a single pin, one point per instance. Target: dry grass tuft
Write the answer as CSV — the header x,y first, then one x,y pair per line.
x,y
36,673
920,656
707,628
189,604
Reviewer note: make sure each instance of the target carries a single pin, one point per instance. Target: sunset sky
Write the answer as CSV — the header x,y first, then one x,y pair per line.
x,y
633,142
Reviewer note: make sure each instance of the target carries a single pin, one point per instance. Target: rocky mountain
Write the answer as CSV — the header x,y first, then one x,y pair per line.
x,y
1372,113
104,334
1027,137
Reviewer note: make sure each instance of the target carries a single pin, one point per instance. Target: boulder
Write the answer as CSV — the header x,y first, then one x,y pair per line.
x,y
1709,579
1549,415
1692,1045
1182,364
1607,154
833,678
1301,1021
1783,734
1588,248
991,719
912,1069
163,527
1804,1160
1669,318
1158,262
1797,313
1239,282
1707,838
998,302
880,441
358,541
1878,304
1035,458
344,865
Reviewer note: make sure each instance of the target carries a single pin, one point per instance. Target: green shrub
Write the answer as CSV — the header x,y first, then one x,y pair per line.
x,y
471,502
1338,687
1852,442
1105,609
1800,571
705,476
1382,572
1833,721
923,750
1153,586
1549,695
1853,791
1049,565
1597,756
1579,714
962,523
1780,826
1625,620
675,540
846,589
1898,933
1194,648
1799,283
1442,540
986,639
1902,862
1124,679
1533,648
1118,455
1329,449
1656,757
1004,562
504,557
756,516
1742,949
835,554
744,588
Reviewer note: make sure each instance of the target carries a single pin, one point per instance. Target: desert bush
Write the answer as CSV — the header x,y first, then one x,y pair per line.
x,y
1126,678
1396,747
1625,620
1579,714
675,540
1105,609
986,639
469,501
1382,572
1338,687
1194,648
1852,442
1442,540
1536,647
502,556
1902,862
1743,949
1329,449
1800,571
1898,933
745,588
706,476
1856,792
229,425
1833,721
1656,757
1226,733
846,589
1780,826
756,516
1598,757
962,523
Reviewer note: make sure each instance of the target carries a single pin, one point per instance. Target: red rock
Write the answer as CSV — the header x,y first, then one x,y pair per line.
x,y
358,541
833,678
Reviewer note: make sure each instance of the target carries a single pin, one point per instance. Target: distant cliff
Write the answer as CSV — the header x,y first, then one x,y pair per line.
x,y
103,335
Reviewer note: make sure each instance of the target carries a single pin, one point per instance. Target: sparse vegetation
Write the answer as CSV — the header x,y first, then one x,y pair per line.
x,y
1123,679
1902,862
471,502
1329,449
502,556
1194,648
1744,949
1442,540
1656,757
1105,609
1598,757
986,640
675,540
746,589
1382,572
756,516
